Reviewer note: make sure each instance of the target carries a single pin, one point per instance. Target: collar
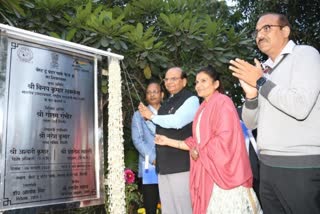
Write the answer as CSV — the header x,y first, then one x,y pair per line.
x,y
177,94
153,110
288,49
211,98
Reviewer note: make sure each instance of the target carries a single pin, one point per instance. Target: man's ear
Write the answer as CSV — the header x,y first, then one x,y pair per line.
x,y
184,82
286,31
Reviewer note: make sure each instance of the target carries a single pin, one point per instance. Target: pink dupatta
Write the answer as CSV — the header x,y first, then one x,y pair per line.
x,y
223,158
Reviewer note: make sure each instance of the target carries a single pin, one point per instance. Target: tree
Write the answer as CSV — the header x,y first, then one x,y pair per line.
x,y
152,34
10,8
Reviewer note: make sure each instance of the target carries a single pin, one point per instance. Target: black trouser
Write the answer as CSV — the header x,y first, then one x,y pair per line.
x,y
255,167
150,194
287,190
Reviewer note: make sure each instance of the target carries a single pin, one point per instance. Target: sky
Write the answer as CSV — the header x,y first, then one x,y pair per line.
x,y
230,2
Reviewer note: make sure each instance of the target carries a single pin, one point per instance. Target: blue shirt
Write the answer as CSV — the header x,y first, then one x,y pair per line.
x,y
143,133
183,116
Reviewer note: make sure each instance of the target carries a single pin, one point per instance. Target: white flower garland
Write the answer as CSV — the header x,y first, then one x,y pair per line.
x,y
115,177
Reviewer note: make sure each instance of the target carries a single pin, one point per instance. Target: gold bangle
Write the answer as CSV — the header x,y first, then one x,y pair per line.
x,y
179,142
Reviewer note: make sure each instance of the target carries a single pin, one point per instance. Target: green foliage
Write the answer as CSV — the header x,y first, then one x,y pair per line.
x,y
131,159
133,198
152,34
48,5
9,8
12,5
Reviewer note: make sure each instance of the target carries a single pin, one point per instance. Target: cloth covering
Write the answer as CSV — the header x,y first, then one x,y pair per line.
x,y
239,200
223,159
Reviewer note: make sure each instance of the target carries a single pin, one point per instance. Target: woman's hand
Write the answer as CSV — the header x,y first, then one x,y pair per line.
x,y
194,154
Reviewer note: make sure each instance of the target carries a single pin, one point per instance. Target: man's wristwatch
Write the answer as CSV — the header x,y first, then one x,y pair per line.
x,y
260,82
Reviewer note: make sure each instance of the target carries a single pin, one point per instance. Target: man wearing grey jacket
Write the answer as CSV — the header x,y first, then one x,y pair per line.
x,y
284,105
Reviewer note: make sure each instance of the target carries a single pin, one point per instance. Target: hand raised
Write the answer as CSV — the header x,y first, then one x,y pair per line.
x,y
245,71
251,92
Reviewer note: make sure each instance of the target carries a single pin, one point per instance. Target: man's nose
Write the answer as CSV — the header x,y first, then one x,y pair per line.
x,y
259,36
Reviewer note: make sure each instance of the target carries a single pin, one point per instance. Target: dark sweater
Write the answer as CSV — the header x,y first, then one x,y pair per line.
x,y
171,160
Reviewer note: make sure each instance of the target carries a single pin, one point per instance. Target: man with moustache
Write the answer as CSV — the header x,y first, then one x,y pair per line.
x,y
284,105
174,120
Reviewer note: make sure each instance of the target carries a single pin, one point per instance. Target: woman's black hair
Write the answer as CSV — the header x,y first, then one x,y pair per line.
x,y
213,74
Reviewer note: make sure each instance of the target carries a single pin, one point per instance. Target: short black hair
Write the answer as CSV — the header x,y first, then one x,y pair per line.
x,y
154,81
184,75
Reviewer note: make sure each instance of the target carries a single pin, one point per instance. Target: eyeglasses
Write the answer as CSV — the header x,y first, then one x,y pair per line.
x,y
264,29
173,79
152,92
